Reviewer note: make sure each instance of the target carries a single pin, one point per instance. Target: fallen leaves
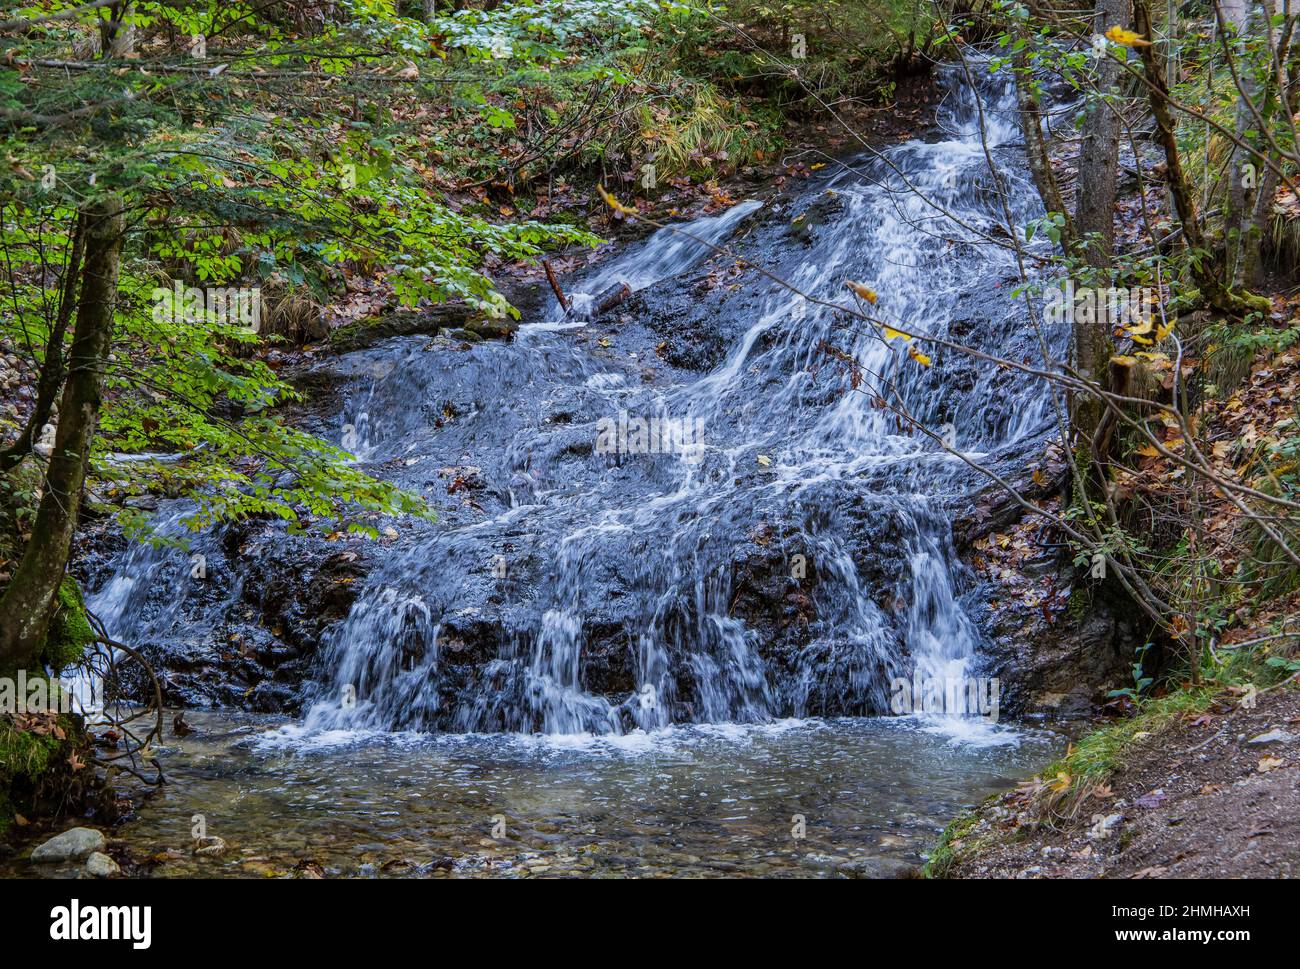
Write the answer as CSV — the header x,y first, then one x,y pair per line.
x,y
1152,799
863,291
1269,763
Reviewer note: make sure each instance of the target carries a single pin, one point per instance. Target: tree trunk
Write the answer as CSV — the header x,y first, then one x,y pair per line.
x,y
1258,230
117,38
1040,164
1094,220
1204,266
26,604
1094,211
1244,172
52,368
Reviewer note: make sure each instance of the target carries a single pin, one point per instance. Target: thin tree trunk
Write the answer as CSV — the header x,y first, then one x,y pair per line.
x,y
1040,164
1094,212
1204,266
117,38
26,604
52,368
1243,173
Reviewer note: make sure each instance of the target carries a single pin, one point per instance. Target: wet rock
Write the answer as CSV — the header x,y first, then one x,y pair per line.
x,y
689,335
878,868
99,865
74,844
210,847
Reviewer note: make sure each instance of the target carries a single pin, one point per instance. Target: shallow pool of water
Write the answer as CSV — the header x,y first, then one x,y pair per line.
x,y
872,794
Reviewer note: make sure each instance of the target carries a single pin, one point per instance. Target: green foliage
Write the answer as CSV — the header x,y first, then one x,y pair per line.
x,y
1140,680
296,148
242,167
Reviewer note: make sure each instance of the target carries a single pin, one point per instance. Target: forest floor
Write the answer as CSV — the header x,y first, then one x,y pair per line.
x,y
1206,796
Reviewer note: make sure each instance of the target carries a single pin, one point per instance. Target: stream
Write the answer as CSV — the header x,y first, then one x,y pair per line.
x,y
682,557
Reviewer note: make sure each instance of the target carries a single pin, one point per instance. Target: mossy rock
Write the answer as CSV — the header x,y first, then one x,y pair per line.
x,y
428,321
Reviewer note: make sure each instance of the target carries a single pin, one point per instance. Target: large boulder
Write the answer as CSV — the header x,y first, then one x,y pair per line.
x,y
75,844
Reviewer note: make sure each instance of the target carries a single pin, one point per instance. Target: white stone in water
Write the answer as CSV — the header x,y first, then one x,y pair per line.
x,y
101,866
72,845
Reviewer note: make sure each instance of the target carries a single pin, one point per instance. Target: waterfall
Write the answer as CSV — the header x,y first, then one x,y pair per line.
x,y
797,559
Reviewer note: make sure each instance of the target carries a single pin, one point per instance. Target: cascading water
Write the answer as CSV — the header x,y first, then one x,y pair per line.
x,y
793,561
776,453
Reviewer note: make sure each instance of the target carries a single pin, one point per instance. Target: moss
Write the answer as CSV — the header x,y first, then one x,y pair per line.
x,y
1097,754
24,754
24,757
70,632
45,776
1077,605
951,845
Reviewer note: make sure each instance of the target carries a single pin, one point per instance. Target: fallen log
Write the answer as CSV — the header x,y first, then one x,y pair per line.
x,y
444,316
610,298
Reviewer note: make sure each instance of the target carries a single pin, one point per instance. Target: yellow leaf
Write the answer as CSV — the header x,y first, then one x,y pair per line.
x,y
1123,361
1267,764
1157,360
918,356
614,203
891,333
865,292
1126,38
1039,478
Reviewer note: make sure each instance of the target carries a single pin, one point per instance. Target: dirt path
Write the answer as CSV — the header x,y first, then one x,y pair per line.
x,y
1205,798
